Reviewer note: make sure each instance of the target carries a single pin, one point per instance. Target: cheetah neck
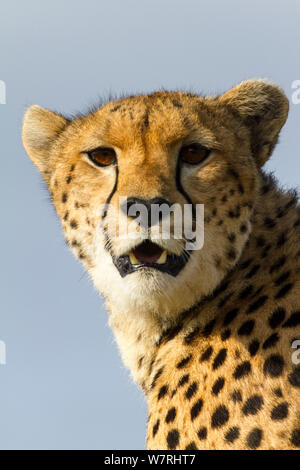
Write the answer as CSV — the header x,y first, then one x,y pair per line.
x,y
139,337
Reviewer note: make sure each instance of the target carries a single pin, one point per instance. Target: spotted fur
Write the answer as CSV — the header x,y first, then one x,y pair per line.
x,y
211,348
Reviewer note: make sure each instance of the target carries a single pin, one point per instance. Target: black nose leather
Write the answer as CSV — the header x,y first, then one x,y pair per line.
x,y
147,217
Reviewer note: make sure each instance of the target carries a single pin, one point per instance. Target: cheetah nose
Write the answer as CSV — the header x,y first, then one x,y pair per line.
x,y
135,207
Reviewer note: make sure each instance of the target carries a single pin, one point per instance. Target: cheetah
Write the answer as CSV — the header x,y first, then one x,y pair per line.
x,y
208,334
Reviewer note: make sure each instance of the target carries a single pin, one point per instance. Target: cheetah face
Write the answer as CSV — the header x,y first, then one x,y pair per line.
x,y
168,148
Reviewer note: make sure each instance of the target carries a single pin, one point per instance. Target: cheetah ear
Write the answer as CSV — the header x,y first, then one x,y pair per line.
x,y
263,107
41,127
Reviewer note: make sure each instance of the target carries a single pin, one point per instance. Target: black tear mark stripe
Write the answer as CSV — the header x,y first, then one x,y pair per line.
x,y
180,187
104,213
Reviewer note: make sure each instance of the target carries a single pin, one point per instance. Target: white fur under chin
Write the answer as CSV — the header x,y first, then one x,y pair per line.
x,y
144,303
152,293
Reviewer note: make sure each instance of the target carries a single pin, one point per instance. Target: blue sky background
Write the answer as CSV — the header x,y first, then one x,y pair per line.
x,y
64,386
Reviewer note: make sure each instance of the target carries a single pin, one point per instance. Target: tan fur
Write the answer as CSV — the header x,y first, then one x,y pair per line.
x,y
211,347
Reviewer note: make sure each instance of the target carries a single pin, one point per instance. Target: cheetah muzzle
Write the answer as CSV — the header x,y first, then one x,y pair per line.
x,y
148,256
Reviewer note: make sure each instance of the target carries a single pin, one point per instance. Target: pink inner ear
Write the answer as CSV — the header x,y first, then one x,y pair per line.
x,y
147,252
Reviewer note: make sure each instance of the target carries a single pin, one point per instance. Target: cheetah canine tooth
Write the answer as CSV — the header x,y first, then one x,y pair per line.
x,y
133,258
163,258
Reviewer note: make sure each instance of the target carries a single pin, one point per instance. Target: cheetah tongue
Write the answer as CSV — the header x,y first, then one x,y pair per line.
x,y
148,252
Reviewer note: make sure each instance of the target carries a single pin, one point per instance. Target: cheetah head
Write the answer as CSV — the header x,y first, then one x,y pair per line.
x,y
166,147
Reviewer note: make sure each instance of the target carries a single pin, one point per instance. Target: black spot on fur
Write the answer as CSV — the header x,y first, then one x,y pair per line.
x,y
231,254
257,304
269,223
278,264
283,291
162,392
173,439
246,328
224,300
254,438
277,317
252,271
220,358
188,339
191,390
74,224
196,408
241,188
171,415
191,446
156,377
64,197
273,365
236,396
253,347
219,417
260,241
146,119
232,434
209,328
176,104
242,370
230,316
295,438
221,288
284,277
291,202
294,377
234,213
246,292
246,264
155,428
281,239
184,362
271,341
207,354
280,411
278,392
293,320
115,108
234,173
169,334
225,334
202,433
184,380
218,385
252,405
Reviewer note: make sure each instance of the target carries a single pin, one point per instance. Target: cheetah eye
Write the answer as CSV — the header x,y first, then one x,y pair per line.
x,y
103,156
194,154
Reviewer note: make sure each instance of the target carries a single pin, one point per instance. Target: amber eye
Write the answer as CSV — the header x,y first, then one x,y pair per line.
x,y
103,156
194,154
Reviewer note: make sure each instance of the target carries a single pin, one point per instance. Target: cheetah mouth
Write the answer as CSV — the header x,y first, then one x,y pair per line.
x,y
149,255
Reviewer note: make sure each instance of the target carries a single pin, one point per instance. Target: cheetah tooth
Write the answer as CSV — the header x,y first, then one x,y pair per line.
x,y
163,258
133,259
